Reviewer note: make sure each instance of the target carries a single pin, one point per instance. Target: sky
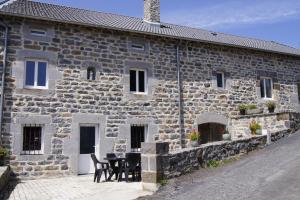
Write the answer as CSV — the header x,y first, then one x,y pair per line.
x,y
274,20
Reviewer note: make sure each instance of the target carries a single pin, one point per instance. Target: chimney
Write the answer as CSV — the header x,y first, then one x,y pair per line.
x,y
152,11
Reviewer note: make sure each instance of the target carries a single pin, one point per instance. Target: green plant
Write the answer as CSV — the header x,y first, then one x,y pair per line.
x,y
163,182
194,135
243,107
213,164
271,104
254,126
251,106
3,152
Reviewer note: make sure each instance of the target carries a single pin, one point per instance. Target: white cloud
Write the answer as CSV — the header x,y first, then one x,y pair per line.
x,y
234,13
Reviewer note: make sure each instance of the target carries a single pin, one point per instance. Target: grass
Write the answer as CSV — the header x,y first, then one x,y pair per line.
x,y
163,182
220,163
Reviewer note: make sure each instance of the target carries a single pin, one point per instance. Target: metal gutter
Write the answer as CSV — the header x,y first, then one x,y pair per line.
x,y
179,87
3,76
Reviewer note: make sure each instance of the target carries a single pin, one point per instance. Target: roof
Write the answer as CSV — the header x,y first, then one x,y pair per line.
x,y
50,12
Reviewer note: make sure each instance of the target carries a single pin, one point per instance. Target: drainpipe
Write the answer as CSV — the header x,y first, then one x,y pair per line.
x,y
180,103
2,24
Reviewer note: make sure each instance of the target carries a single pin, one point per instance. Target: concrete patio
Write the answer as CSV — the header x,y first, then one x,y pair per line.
x,y
69,188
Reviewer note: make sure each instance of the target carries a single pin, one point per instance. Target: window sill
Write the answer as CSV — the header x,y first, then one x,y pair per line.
x,y
35,88
31,153
138,93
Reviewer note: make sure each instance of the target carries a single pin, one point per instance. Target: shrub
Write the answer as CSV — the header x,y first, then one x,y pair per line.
x,y
194,135
251,106
243,107
271,104
3,152
254,126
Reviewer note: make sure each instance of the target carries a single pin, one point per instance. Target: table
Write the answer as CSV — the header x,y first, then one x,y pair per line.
x,y
115,169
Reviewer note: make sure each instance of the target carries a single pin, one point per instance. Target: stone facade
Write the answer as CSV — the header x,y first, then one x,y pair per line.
x,y
71,99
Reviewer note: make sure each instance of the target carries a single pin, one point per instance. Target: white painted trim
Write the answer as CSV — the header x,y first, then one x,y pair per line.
x,y
264,97
137,81
35,86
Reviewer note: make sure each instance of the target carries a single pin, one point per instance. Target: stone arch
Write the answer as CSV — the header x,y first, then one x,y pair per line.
x,y
211,117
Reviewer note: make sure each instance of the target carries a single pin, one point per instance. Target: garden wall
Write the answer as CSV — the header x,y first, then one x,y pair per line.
x,y
272,123
158,163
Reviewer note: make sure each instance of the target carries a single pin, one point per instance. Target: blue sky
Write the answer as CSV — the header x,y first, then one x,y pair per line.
x,y
277,20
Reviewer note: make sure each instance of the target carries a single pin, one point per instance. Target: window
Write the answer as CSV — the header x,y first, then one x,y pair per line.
x,y
266,88
91,73
138,134
138,81
139,47
220,80
32,140
38,32
36,74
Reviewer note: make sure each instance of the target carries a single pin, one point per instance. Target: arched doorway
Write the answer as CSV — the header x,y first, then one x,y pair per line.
x,y
211,132
211,126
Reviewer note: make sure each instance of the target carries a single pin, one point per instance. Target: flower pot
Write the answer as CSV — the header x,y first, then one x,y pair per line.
x,y
226,137
254,111
194,143
243,112
258,132
271,110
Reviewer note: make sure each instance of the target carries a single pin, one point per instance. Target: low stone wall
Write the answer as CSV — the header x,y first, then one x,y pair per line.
x,y
158,163
4,176
272,122
184,161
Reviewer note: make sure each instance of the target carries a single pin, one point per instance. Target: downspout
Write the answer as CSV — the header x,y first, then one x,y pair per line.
x,y
2,24
180,103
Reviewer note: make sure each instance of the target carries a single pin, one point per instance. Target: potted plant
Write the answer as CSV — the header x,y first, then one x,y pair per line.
x,y
226,136
194,137
3,155
255,127
243,108
271,106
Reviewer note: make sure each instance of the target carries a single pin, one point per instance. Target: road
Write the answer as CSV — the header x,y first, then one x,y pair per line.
x,y
269,174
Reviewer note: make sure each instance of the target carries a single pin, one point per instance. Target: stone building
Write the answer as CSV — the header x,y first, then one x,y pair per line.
x,y
79,81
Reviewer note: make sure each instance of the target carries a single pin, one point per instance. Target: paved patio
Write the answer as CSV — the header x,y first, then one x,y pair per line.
x,y
75,187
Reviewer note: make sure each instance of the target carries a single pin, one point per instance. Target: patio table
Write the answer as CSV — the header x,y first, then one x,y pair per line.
x,y
116,170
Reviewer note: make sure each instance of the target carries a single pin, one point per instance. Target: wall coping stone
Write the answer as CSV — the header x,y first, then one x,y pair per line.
x,y
219,143
4,176
261,115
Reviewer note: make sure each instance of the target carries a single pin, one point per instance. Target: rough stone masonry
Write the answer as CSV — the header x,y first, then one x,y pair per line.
x,y
71,99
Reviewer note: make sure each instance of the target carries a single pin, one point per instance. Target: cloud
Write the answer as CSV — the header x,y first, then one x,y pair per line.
x,y
235,13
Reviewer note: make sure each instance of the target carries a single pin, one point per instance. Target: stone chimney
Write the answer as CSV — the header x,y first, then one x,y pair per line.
x,y
152,11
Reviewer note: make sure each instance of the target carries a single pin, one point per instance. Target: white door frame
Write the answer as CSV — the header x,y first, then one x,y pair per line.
x,y
97,142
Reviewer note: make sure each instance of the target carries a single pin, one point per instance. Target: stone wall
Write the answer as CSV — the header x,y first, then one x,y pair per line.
x,y
273,122
4,177
189,159
186,160
71,49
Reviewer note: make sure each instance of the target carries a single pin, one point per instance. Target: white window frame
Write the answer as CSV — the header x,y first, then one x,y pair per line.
x,y
145,135
138,47
35,86
223,80
44,34
137,81
40,152
265,97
